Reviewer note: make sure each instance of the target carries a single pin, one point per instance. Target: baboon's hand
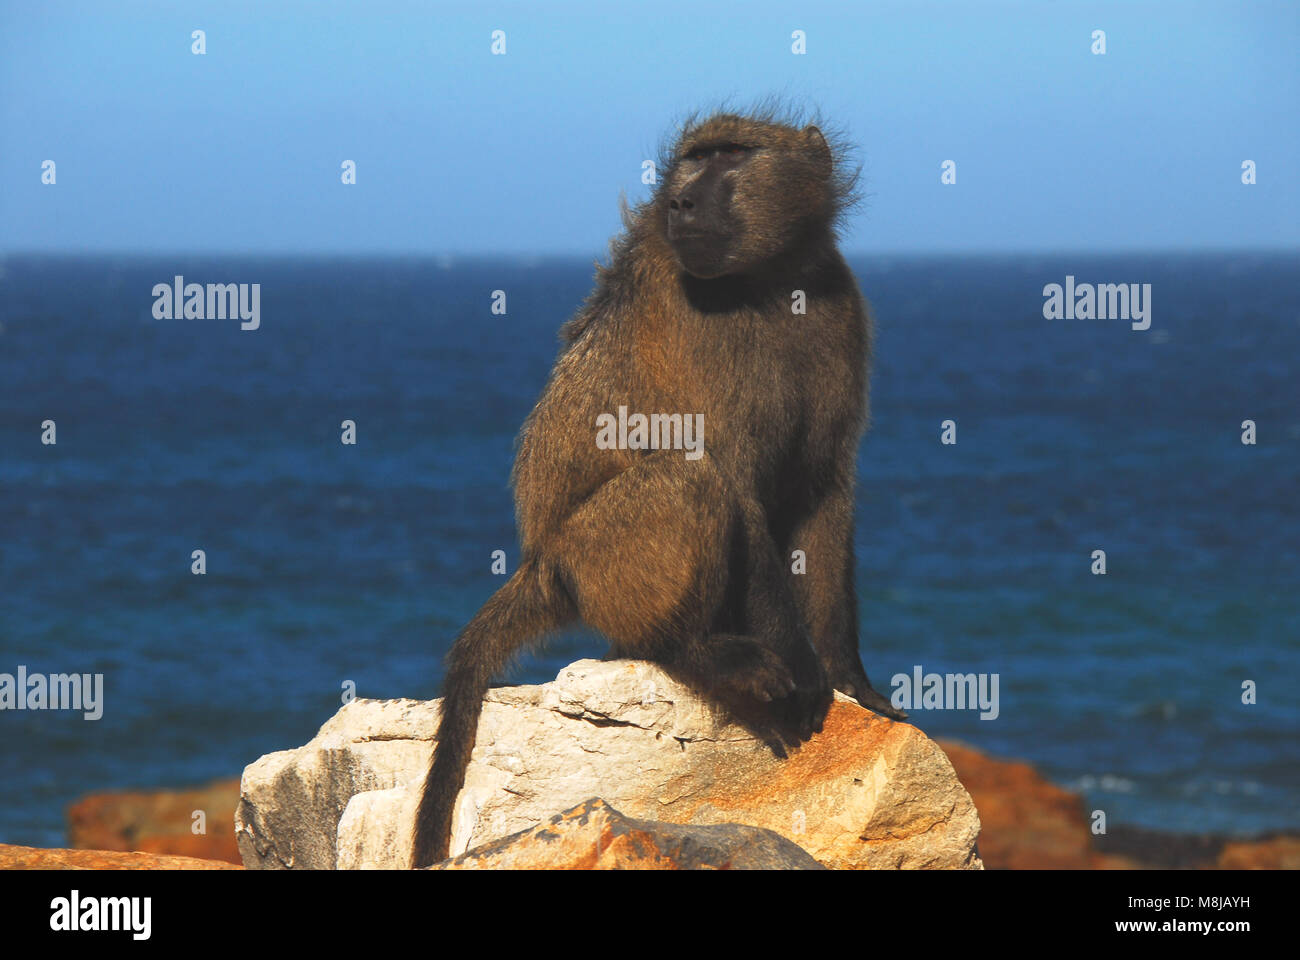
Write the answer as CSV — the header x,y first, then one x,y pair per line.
x,y
764,677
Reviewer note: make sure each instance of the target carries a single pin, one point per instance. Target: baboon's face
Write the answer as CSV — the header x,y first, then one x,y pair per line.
x,y
741,192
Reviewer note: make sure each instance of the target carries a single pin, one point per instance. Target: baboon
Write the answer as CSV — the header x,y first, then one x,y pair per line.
x,y
686,561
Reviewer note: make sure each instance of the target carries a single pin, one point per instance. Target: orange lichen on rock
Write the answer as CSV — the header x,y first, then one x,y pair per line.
x,y
595,836
38,858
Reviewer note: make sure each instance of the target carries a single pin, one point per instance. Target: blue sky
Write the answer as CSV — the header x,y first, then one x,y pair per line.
x,y
459,151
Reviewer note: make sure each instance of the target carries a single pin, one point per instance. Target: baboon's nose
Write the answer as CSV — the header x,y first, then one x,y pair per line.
x,y
682,210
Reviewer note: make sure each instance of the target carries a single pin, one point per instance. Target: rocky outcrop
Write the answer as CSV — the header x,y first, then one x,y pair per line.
x,y
37,858
1275,852
162,821
595,836
1129,847
865,792
1028,823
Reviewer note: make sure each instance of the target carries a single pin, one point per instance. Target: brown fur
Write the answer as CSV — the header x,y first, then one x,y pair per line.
x,y
687,562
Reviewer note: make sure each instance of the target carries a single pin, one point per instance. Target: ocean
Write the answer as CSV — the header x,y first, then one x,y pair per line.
x,y
332,565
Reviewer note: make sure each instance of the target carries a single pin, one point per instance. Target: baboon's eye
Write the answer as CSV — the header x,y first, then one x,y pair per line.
x,y
732,151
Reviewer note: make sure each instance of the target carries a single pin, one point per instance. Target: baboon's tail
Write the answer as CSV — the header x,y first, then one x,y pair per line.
x,y
528,606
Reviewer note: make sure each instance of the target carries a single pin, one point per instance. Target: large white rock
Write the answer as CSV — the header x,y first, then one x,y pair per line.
x,y
865,792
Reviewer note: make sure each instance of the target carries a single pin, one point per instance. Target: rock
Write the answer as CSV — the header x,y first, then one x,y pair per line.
x,y
159,821
1158,850
1027,822
1031,824
38,858
1106,861
1276,852
595,836
865,792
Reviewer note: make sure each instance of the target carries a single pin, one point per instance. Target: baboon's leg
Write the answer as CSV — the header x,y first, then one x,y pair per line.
x,y
828,601
773,616
649,559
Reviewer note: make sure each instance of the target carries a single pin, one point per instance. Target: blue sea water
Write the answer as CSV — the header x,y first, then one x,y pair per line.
x,y
329,563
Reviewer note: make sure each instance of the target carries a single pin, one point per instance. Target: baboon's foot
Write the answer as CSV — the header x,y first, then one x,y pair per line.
x,y
797,716
804,712
786,695
861,690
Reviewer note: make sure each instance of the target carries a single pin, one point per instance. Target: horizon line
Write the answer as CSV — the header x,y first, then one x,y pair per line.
x,y
916,253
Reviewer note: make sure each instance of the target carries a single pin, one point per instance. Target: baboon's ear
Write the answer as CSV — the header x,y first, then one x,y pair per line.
x,y
818,146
